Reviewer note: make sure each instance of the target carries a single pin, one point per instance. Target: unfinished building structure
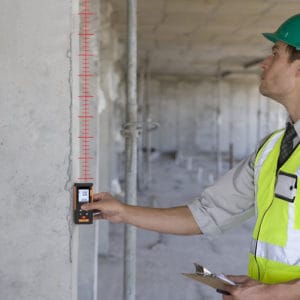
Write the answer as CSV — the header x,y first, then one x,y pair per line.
x,y
196,76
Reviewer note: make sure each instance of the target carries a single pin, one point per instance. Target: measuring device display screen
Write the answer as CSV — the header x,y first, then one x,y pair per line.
x,y
83,193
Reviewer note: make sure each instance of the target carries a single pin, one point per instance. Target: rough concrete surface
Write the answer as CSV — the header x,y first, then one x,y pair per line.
x,y
35,150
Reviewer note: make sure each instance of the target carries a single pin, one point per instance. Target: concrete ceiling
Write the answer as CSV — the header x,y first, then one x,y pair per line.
x,y
200,37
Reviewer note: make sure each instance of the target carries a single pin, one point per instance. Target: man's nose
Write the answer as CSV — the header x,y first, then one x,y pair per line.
x,y
265,63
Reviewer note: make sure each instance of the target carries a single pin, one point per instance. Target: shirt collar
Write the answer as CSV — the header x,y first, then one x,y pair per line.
x,y
296,125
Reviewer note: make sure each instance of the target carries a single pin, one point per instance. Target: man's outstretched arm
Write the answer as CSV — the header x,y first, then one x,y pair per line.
x,y
174,220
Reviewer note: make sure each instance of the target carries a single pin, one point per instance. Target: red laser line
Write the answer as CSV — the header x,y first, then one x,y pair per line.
x,y
85,137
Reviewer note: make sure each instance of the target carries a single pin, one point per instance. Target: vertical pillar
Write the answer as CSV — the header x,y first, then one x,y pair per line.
x,y
141,120
258,115
131,152
218,127
231,129
148,141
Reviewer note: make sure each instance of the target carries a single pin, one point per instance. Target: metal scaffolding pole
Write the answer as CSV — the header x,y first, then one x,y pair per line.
x,y
148,141
141,120
130,130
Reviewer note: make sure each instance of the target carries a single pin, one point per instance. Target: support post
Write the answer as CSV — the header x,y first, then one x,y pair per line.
x,y
231,116
148,141
142,121
258,116
218,126
131,152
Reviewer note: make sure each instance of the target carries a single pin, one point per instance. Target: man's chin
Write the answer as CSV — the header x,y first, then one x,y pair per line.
x,y
266,93
263,90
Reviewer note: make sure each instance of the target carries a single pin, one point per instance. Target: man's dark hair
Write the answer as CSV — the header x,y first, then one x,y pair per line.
x,y
293,52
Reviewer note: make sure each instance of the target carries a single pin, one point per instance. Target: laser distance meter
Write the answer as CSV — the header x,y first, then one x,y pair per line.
x,y
83,193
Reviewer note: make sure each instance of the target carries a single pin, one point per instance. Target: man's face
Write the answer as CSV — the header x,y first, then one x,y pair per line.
x,y
278,78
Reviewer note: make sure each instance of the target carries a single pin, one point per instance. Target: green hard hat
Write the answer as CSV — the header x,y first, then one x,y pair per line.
x,y
288,32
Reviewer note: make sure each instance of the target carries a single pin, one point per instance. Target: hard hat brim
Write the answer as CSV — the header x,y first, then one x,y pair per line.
x,y
273,37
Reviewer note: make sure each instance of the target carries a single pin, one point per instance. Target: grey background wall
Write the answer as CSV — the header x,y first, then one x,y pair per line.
x,y
187,112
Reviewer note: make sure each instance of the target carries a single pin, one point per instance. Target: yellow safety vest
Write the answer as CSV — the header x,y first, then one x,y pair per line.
x,y
275,250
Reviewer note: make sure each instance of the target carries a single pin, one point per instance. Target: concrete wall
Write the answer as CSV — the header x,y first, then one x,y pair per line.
x,y
35,176
187,111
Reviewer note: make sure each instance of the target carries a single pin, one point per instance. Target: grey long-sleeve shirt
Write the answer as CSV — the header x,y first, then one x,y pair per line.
x,y
230,201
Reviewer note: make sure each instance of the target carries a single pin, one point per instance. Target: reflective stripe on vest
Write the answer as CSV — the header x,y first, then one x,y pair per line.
x,y
289,254
265,152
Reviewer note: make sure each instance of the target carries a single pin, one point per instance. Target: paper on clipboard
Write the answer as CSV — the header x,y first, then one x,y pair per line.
x,y
216,281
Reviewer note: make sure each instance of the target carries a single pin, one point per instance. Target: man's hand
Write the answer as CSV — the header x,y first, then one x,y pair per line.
x,y
250,289
106,207
247,289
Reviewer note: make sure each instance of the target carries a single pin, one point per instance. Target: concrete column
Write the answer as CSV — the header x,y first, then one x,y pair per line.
x,y
86,255
219,127
35,150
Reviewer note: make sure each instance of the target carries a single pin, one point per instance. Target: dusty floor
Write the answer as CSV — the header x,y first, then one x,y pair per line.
x,y
162,258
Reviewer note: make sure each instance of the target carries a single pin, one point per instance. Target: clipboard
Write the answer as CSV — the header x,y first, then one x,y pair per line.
x,y
216,281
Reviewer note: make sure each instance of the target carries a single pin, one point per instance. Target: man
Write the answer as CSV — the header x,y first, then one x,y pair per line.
x,y
264,184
